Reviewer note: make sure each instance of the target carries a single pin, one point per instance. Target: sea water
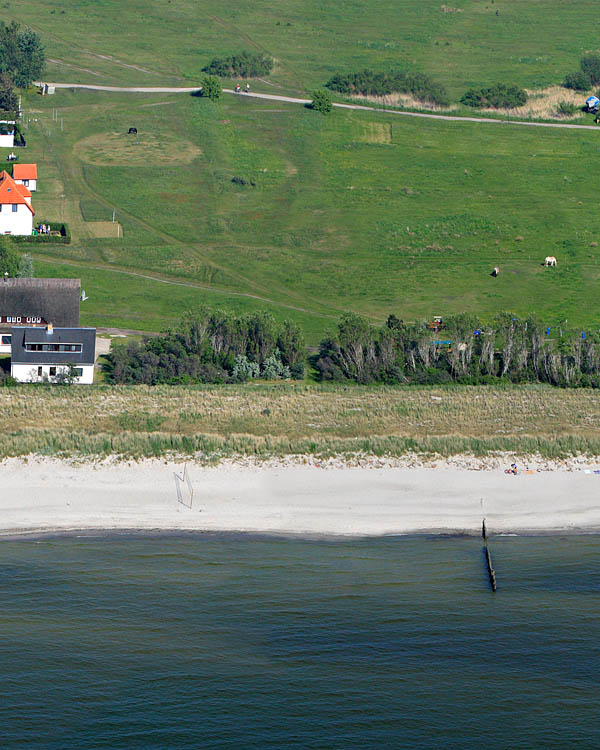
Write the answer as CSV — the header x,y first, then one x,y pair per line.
x,y
241,642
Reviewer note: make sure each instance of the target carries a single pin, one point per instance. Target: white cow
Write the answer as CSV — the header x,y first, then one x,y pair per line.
x,y
550,260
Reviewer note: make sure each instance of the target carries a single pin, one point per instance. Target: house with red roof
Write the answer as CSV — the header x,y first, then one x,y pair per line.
x,y
16,211
26,174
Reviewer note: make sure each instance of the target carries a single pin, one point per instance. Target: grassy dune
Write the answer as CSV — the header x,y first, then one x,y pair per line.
x,y
273,420
463,43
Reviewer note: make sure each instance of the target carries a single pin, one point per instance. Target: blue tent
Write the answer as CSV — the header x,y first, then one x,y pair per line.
x,y
592,102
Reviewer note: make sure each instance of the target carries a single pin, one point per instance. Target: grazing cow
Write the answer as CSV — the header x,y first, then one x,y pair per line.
x,y
496,271
132,130
550,260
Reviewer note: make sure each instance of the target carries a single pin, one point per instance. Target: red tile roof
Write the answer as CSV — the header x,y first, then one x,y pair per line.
x,y
11,193
25,172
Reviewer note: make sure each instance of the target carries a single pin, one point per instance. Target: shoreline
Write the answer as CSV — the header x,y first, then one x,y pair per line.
x,y
300,497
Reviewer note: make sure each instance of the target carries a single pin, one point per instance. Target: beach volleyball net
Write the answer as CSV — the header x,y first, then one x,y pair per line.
x,y
185,491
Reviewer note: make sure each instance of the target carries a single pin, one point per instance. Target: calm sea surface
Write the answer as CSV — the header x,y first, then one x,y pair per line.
x,y
241,642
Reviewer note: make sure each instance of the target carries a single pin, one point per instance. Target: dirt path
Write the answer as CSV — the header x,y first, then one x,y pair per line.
x,y
295,100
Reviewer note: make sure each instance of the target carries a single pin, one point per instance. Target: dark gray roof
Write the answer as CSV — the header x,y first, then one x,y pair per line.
x,y
54,300
22,335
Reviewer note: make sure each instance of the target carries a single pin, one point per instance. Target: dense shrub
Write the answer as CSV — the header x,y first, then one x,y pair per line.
x,y
242,65
499,96
321,101
369,83
211,88
511,349
578,81
212,348
590,65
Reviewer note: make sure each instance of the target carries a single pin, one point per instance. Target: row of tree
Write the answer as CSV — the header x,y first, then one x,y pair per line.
x,y
369,83
511,348
212,347
22,61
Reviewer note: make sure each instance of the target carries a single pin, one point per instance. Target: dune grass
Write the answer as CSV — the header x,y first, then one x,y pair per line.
x,y
282,419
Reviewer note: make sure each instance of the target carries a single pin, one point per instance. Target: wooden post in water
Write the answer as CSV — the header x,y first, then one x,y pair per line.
x,y
488,557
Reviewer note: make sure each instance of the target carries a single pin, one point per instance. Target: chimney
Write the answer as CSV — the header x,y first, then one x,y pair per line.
x,y
50,328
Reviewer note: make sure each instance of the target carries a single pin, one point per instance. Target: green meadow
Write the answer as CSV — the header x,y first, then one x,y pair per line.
x,y
461,42
357,211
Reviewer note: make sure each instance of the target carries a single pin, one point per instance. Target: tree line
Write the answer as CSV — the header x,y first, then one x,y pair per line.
x,y
465,351
212,347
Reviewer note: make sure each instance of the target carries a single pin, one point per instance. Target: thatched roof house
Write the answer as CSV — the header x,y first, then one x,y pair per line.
x,y
26,302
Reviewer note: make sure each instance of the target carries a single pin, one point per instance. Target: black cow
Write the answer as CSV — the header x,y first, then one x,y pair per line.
x,y
132,130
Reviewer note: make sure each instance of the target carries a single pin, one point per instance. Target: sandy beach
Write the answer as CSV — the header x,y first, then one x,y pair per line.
x,y
49,495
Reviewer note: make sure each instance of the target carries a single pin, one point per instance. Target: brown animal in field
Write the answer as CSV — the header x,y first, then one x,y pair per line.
x,y
550,260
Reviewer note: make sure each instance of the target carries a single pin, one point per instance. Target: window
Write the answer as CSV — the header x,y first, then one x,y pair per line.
x,y
6,340
26,183
14,207
52,372
78,371
40,372
53,347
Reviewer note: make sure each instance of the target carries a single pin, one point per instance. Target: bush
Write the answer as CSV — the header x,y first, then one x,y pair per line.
x,y
590,65
368,83
566,109
211,88
578,81
321,101
499,96
242,65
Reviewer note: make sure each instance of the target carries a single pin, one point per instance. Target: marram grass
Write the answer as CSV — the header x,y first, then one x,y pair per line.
x,y
274,420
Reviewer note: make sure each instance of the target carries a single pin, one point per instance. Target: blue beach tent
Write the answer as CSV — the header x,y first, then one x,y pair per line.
x,y
592,103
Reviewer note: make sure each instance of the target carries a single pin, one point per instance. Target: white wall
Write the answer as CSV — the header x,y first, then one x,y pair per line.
x,y
16,222
7,141
29,373
32,184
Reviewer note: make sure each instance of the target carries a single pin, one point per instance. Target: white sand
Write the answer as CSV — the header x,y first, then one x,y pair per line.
x,y
50,495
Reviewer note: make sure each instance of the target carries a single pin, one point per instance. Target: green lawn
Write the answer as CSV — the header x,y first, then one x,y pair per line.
x,y
356,211
529,42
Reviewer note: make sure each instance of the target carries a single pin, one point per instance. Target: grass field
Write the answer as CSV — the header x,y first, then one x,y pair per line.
x,y
356,211
272,420
462,43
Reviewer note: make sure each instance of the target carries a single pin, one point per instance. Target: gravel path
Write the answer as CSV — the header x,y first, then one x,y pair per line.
x,y
294,100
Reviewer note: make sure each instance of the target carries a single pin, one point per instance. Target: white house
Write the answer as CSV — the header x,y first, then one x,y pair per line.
x,y
7,133
16,211
48,354
26,174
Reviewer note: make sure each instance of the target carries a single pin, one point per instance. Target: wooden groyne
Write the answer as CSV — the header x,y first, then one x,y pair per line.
x,y
488,557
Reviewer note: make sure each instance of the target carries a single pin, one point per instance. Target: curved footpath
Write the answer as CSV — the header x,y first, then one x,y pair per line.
x,y
294,100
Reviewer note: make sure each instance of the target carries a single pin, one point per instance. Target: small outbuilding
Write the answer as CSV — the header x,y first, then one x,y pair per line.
x,y
53,354
7,133
26,174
